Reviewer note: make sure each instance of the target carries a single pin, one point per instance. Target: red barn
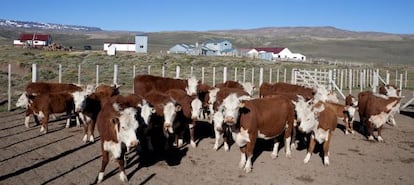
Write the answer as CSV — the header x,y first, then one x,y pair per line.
x,y
33,40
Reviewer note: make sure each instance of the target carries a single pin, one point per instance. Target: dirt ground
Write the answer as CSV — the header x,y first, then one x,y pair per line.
x,y
59,157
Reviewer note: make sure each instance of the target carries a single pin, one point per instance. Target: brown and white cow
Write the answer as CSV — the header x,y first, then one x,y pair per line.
x,y
351,104
191,108
320,121
216,97
43,105
391,91
36,88
258,118
375,110
247,86
116,127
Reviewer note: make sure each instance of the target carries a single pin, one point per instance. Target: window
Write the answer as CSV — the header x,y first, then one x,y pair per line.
x,y
141,46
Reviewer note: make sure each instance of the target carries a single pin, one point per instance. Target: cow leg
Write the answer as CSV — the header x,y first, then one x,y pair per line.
x,y
310,149
370,130
122,175
346,123
242,157
218,135
249,155
191,127
92,130
288,139
326,150
105,160
293,142
275,149
85,131
380,139
27,117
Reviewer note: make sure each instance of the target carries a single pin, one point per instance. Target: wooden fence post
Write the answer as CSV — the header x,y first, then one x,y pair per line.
x,y
177,72
277,75
284,76
79,74
133,77
270,75
235,74
260,76
97,75
115,74
202,74
34,72
60,73
163,71
214,76
149,69
244,75
9,89
252,75
350,81
224,74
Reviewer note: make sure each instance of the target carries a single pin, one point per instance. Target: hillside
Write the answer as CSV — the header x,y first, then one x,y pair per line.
x,y
320,43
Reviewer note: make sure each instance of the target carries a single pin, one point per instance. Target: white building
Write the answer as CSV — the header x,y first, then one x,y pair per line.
x,y
120,46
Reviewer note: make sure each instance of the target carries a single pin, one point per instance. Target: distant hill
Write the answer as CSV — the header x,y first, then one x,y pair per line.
x,y
44,26
325,43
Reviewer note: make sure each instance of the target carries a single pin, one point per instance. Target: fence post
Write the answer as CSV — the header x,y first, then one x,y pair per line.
x,y
133,77
79,74
401,81
97,75
235,74
224,74
163,71
149,69
361,79
177,72
277,75
387,77
405,81
214,76
34,72
260,76
202,75
9,89
284,76
244,75
374,82
350,81
191,71
115,74
341,81
396,77
252,75
270,75
60,73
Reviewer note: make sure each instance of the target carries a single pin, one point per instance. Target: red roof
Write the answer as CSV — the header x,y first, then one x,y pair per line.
x,y
41,37
272,50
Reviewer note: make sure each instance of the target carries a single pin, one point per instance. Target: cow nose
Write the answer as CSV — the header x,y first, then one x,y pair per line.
x,y
229,120
134,143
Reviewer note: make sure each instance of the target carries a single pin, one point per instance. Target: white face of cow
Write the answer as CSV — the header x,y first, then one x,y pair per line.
x,y
302,108
79,98
391,91
321,94
127,127
310,122
332,97
231,106
248,87
23,101
196,108
146,111
212,95
191,88
170,111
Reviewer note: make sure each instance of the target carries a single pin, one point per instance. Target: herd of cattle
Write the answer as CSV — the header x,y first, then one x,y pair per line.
x,y
168,109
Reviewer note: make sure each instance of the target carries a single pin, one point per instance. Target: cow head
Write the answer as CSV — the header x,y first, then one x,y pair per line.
x,y
230,106
191,88
392,91
310,121
321,94
332,97
23,101
302,108
126,125
79,98
196,108
146,111
248,87
170,110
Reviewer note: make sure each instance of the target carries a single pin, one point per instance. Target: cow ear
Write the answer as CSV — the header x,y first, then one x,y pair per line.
x,y
115,121
153,110
241,105
178,108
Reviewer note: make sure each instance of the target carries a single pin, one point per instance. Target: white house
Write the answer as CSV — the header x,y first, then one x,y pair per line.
x,y
33,40
120,46
280,53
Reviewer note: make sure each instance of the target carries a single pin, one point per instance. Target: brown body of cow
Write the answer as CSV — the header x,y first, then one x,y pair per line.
x,y
374,111
43,105
230,84
326,124
92,106
267,89
144,84
36,88
262,118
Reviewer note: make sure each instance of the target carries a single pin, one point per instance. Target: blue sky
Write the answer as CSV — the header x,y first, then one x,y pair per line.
x,y
390,16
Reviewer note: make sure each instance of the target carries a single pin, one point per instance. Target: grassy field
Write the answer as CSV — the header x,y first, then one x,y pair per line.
x,y
47,62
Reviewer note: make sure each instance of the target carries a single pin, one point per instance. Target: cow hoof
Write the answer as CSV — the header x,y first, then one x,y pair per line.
x,y
371,138
215,147
289,155
273,155
100,177
380,139
123,177
193,144
306,160
353,132
247,169
346,132
326,161
226,147
293,146
85,138
91,139
241,165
